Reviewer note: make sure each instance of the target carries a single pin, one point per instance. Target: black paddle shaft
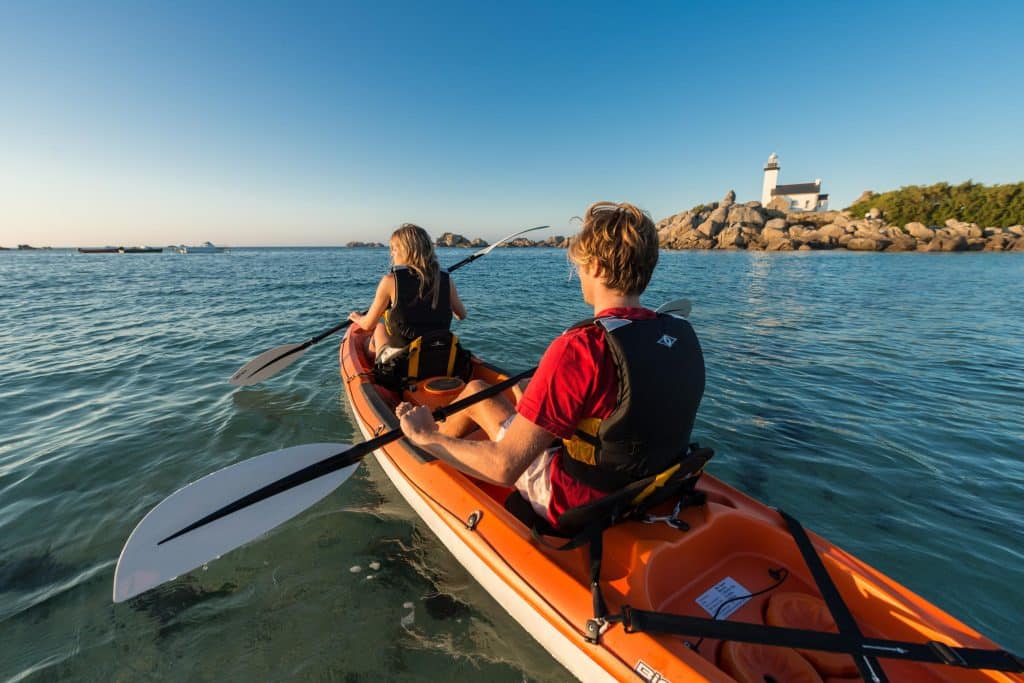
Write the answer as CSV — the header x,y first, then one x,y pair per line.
x,y
341,460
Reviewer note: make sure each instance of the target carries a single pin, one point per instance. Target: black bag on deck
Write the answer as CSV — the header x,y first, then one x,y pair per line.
x,y
435,354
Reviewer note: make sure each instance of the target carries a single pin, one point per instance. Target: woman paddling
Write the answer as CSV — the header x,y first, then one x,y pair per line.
x,y
415,298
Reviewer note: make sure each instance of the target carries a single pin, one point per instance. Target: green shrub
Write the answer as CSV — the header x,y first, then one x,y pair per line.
x,y
999,205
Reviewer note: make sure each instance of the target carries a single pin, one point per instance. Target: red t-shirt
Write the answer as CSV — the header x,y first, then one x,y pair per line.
x,y
576,379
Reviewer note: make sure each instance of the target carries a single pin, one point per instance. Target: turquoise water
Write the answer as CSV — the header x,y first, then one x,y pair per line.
x,y
876,397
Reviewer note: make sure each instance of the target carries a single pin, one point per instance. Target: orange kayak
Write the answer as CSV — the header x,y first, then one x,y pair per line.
x,y
732,559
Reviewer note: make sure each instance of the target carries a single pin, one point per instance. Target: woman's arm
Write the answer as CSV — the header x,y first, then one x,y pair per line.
x,y
457,306
381,301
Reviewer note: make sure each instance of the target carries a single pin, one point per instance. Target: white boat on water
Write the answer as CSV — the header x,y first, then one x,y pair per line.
x,y
206,248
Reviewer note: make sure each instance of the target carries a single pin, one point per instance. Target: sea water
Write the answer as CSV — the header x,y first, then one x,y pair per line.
x,y
879,398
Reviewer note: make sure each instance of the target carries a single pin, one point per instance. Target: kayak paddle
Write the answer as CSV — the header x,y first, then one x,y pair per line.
x,y
234,505
269,363
193,525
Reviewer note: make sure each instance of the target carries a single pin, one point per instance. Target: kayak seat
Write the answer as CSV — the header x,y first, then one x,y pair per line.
x,y
753,663
585,525
800,610
435,354
624,504
678,482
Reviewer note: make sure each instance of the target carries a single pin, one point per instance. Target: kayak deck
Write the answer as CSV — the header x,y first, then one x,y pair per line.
x,y
734,545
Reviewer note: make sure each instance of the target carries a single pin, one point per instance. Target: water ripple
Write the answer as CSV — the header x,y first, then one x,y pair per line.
x,y
875,397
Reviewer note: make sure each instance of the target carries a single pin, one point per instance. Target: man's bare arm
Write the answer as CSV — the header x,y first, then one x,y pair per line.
x,y
499,462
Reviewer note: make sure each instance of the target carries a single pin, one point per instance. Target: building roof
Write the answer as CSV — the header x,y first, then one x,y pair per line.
x,y
798,188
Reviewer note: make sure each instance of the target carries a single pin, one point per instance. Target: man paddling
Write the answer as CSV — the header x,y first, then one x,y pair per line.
x,y
618,393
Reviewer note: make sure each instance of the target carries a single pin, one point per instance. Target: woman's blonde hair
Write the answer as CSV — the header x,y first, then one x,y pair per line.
x,y
419,257
622,240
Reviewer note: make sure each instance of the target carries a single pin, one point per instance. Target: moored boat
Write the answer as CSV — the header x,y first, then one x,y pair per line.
x,y
100,250
205,248
142,250
689,594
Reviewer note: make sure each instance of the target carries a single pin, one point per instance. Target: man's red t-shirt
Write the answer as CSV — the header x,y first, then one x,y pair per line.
x,y
576,379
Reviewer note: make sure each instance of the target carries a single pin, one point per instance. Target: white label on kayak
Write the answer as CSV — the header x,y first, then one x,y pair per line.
x,y
721,596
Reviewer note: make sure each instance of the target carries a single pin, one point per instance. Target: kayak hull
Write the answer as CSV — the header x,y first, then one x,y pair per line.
x,y
733,540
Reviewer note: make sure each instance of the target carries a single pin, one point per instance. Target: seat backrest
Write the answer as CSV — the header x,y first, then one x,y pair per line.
x,y
435,354
640,496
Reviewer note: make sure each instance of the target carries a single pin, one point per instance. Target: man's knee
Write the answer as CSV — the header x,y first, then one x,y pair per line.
x,y
476,385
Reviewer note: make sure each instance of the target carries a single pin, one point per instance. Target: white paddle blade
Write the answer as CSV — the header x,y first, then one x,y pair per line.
x,y
144,564
680,307
253,372
506,238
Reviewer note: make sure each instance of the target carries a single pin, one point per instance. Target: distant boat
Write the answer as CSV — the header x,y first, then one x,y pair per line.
x,y
206,248
100,250
142,250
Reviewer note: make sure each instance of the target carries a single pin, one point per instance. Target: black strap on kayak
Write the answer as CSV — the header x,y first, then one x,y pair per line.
x,y
633,502
849,640
627,505
634,621
869,668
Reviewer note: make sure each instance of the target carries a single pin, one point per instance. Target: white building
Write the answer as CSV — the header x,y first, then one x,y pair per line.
x,y
801,196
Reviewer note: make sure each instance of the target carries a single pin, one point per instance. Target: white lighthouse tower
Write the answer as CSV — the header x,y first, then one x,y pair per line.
x,y
771,178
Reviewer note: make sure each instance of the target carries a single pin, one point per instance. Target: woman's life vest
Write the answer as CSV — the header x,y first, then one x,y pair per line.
x,y
660,369
410,316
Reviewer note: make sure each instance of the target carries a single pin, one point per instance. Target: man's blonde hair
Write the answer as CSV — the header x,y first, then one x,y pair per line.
x,y
622,240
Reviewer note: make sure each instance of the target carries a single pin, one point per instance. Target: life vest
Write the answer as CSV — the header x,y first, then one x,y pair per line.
x,y
660,370
410,316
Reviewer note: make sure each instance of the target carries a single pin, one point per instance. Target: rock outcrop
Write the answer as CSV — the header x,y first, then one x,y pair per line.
x,y
728,225
451,239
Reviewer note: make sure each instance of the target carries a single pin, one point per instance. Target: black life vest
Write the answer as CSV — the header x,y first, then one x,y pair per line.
x,y
660,370
411,316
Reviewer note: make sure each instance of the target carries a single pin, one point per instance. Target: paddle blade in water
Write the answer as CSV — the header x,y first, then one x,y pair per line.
x,y
145,563
266,365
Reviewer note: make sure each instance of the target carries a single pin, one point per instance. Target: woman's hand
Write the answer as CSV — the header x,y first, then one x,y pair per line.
x,y
417,423
356,317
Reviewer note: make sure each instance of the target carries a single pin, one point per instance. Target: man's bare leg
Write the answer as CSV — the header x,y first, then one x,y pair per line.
x,y
489,414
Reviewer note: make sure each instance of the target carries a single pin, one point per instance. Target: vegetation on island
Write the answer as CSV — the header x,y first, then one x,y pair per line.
x,y
995,205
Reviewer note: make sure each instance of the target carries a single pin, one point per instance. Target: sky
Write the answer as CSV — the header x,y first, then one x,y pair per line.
x,y
279,123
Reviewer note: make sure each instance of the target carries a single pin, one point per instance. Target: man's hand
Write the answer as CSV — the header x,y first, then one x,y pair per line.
x,y
417,423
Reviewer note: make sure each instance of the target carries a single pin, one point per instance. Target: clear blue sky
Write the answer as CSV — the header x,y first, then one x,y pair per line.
x,y
314,124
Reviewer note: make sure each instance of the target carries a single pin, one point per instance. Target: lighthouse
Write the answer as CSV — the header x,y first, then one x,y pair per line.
x,y
797,197
771,178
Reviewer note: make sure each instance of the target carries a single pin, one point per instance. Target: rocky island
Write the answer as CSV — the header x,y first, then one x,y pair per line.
x,y
863,226
751,226
450,239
